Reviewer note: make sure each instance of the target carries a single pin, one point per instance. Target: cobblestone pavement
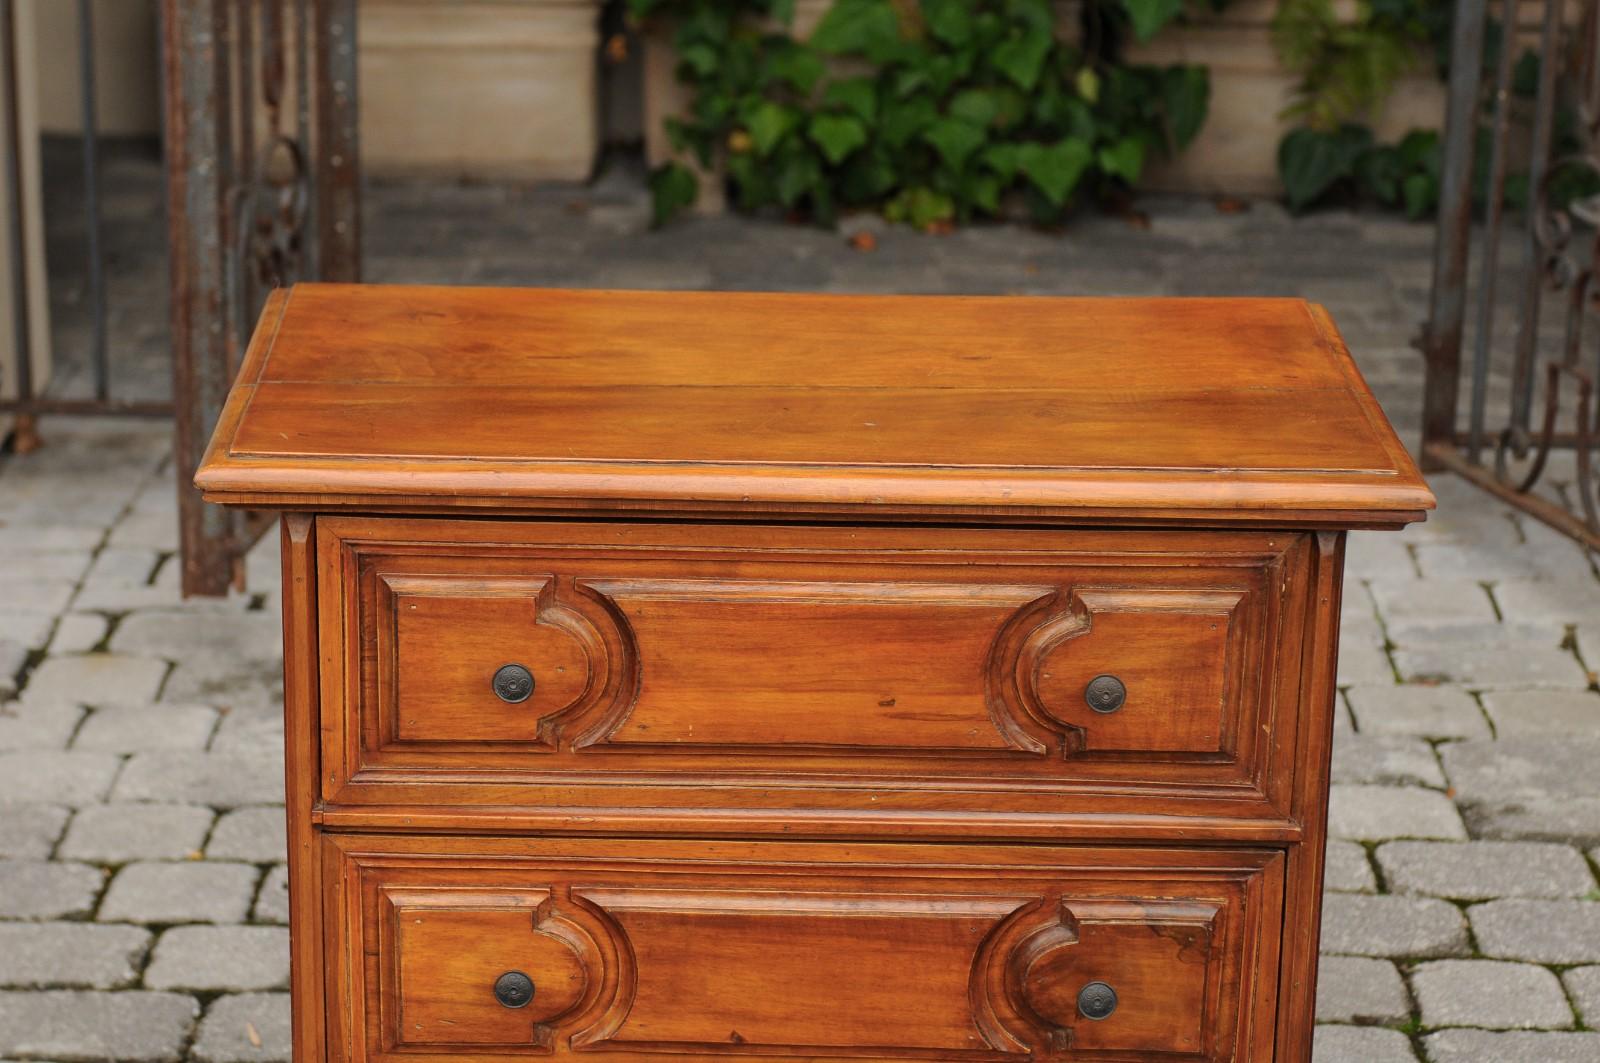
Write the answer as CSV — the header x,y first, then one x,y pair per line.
x,y
141,850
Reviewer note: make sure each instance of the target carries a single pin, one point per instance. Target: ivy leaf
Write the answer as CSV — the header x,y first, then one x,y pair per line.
x,y
1054,169
770,123
837,135
1421,194
1185,96
1021,58
1311,161
949,20
699,57
854,94
1002,159
921,207
798,66
977,106
1124,159
858,27
903,121
954,140
867,177
1150,15
800,174
984,191
673,187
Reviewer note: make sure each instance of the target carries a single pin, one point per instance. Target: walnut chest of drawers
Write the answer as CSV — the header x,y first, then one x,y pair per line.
x,y
730,677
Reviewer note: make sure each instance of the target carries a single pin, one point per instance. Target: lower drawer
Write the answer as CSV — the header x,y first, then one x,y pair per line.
x,y
460,949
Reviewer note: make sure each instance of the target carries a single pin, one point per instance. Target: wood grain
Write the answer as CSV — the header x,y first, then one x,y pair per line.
x,y
812,589
736,666
981,408
744,951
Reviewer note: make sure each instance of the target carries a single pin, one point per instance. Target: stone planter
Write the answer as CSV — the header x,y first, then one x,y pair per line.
x,y
1237,150
480,88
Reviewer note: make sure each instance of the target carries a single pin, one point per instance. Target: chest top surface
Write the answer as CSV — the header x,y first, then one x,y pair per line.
x,y
989,408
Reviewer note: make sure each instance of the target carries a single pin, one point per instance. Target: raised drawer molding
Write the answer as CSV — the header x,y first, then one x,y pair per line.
x,y
746,676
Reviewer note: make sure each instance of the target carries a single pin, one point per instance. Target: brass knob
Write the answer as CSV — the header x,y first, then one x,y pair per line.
x,y
1097,1001
1105,693
513,989
513,683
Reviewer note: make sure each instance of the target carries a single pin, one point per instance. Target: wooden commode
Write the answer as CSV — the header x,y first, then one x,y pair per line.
x,y
740,676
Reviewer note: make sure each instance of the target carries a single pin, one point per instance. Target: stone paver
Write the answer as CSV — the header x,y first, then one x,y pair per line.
x,y
272,902
46,776
1381,925
133,730
246,1028
1510,660
79,633
86,955
1347,868
1443,600
140,773
180,893
1395,760
1423,711
126,1027
256,835
1360,990
1375,813
1491,994
37,725
1539,931
1481,1046
1583,986
1534,788
97,679
1485,870
1516,713
1361,1044
220,957
35,889
118,834
30,831
222,780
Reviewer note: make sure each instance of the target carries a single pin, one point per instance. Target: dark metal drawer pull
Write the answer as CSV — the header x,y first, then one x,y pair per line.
x,y
513,989
1105,693
513,683
1097,1001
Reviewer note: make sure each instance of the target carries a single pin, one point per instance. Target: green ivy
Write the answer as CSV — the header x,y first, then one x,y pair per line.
x,y
1347,68
930,111
1315,165
1319,164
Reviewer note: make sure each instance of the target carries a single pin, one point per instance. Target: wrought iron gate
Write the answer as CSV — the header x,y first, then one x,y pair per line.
x,y
263,190
1531,422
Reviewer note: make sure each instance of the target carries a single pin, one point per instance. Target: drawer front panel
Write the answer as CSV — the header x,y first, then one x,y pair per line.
x,y
1034,664
753,950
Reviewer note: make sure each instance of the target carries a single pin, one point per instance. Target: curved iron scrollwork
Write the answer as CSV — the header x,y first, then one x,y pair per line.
x,y
1552,375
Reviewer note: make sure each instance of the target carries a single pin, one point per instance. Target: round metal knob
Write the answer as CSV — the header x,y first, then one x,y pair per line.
x,y
1097,1001
1105,693
513,683
513,989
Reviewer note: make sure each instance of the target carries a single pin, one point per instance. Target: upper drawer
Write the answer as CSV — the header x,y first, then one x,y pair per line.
x,y
866,669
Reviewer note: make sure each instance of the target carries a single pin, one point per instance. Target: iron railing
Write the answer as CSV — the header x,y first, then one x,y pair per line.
x,y
262,187
30,401
1530,425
